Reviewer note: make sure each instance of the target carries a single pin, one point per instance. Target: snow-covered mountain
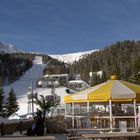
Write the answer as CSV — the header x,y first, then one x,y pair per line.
x,y
8,48
67,58
71,57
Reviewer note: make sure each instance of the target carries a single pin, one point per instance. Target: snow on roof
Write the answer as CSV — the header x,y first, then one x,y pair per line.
x,y
76,81
14,116
56,75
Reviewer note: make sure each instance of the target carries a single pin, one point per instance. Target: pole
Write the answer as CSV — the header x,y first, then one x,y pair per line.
x,y
87,107
73,115
65,110
110,112
32,98
135,113
88,123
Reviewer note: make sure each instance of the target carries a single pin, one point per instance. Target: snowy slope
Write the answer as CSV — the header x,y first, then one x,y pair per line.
x,y
71,57
8,48
21,86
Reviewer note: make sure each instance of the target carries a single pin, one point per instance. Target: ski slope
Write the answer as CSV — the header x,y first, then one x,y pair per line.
x,y
21,86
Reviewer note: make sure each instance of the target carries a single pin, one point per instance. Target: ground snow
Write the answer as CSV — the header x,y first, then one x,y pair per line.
x,y
60,91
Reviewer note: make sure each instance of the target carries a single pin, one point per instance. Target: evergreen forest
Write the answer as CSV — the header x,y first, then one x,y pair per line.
x,y
121,59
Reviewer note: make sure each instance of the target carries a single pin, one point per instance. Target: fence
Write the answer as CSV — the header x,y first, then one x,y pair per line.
x,y
10,128
54,125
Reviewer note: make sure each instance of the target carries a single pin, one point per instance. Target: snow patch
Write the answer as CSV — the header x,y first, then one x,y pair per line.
x,y
71,57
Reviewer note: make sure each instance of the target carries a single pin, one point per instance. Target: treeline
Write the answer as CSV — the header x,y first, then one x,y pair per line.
x,y
135,77
54,66
12,66
122,59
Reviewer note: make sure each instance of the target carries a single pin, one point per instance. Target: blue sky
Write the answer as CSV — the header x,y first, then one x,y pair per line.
x,y
65,26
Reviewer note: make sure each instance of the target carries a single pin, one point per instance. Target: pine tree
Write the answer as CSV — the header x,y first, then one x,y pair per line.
x,y
103,77
135,77
1,102
96,80
11,103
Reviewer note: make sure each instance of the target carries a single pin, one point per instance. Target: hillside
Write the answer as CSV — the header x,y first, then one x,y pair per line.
x,y
118,59
12,66
21,86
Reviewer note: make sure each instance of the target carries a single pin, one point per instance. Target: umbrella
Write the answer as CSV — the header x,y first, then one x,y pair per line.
x,y
114,90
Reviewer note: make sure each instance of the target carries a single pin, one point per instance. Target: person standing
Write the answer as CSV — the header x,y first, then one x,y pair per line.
x,y
39,125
